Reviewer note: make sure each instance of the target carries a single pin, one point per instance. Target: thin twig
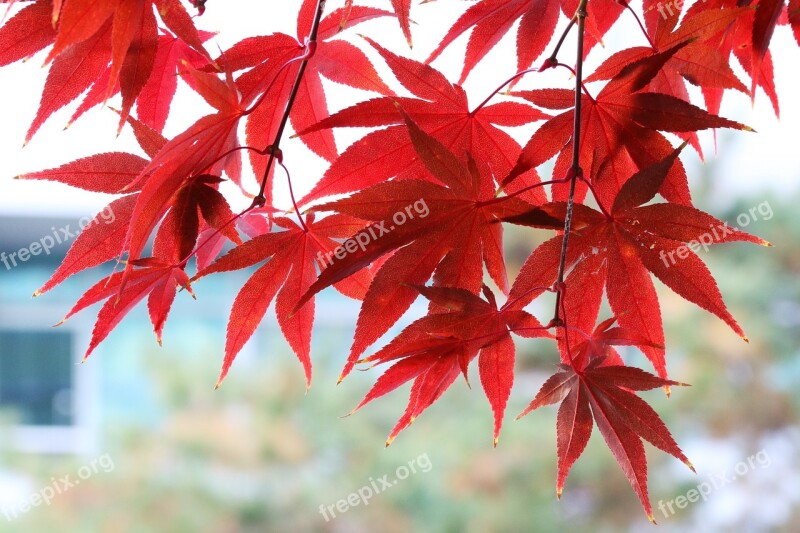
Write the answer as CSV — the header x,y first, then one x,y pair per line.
x,y
274,148
575,169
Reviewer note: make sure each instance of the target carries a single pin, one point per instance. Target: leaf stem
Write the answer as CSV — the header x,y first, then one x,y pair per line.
x,y
554,56
551,61
644,31
501,87
574,74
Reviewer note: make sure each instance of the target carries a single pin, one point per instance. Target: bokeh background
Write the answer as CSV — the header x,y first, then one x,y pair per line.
x,y
137,440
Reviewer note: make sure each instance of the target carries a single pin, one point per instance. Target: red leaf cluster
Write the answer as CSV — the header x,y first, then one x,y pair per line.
x,y
419,204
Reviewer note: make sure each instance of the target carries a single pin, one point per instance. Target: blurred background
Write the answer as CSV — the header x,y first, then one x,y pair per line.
x,y
137,440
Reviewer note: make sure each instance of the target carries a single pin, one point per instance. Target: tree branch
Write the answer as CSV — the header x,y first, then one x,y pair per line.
x,y
274,148
575,170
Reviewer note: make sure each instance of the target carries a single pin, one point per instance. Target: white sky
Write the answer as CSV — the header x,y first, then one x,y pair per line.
x,y
748,162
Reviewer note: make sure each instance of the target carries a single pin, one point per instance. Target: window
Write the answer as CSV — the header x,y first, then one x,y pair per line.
x,y
47,401
36,377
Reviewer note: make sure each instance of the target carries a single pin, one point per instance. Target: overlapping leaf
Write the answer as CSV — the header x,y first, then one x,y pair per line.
x,y
442,110
435,349
108,46
489,20
621,246
273,62
620,131
446,230
291,259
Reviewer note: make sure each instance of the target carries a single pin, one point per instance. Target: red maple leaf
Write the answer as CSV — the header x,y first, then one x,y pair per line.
x,y
273,62
604,393
747,38
291,259
618,248
449,230
697,61
619,131
442,110
108,46
435,349
154,278
102,239
490,20
206,148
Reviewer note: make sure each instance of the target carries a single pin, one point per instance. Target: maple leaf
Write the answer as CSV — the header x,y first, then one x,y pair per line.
x,y
291,259
26,33
441,110
747,39
603,394
152,87
490,20
153,278
696,61
72,73
794,18
619,247
619,131
102,239
108,46
155,98
449,230
433,350
205,148
402,9
197,202
273,62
